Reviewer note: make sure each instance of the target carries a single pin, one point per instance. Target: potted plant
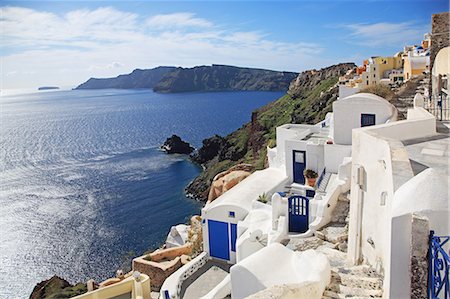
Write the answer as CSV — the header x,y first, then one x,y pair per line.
x,y
311,177
264,198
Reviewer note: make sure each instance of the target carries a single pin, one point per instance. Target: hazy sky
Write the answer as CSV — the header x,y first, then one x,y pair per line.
x,y
65,43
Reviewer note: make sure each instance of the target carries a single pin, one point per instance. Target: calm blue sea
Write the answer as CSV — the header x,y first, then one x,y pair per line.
x,y
83,187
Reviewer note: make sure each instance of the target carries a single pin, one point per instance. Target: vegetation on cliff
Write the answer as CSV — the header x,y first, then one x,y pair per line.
x,y
308,100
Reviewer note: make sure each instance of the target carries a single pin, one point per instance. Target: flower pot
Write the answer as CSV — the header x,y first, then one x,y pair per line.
x,y
311,181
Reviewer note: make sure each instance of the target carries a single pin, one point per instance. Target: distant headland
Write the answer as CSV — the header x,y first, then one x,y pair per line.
x,y
166,79
48,87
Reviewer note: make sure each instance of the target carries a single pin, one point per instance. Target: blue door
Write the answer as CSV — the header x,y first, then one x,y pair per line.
x,y
367,120
298,214
299,160
218,239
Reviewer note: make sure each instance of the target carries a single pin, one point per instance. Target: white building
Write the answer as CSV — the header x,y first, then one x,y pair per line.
x,y
220,218
398,178
234,218
399,173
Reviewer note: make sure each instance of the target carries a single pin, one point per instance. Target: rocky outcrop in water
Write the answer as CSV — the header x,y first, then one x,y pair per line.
x,y
57,287
48,88
175,145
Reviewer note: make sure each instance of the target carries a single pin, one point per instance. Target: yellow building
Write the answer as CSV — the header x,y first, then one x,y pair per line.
x,y
415,65
379,68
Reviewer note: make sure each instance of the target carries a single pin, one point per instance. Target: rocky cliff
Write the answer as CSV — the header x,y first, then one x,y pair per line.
x,y
137,79
309,98
57,288
223,78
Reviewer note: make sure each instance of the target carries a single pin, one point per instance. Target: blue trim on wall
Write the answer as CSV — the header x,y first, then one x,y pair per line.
x,y
233,230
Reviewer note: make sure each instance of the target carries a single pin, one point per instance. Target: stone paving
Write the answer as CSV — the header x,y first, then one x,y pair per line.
x,y
205,283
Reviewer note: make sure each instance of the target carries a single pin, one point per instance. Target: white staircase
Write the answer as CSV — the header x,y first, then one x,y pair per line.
x,y
324,183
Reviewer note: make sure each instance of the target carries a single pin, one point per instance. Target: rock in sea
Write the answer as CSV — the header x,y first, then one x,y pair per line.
x,y
175,145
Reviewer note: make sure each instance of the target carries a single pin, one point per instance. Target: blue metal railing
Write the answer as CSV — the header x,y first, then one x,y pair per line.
x,y
319,181
438,267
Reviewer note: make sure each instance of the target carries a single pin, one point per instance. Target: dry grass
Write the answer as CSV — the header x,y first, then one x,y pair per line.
x,y
381,90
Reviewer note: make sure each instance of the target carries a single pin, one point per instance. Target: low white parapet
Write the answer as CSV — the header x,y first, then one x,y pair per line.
x,y
276,265
171,287
137,286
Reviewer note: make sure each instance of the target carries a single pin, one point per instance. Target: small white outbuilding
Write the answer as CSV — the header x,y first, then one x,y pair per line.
x,y
357,111
220,217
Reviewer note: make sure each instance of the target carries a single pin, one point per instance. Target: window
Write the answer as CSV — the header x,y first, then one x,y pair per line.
x,y
299,157
367,120
231,214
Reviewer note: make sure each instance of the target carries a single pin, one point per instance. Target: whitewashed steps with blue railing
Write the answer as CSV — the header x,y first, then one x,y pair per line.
x,y
324,183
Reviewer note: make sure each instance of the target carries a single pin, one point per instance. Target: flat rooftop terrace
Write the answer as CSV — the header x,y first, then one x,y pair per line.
x,y
309,132
432,151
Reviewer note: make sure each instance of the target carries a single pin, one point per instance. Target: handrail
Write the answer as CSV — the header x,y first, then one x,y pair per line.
x,y
319,181
438,267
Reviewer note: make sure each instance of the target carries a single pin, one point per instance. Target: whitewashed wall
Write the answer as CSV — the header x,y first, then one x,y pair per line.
x,y
380,215
334,154
369,215
347,114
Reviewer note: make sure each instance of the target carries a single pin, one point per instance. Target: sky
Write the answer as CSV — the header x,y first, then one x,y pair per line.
x,y
63,43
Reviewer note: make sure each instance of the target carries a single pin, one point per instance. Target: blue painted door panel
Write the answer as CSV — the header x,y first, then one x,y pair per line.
x,y
367,120
299,160
298,214
233,229
218,239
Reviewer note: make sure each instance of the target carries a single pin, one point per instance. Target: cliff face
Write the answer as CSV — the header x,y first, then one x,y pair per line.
x,y
223,78
137,79
308,99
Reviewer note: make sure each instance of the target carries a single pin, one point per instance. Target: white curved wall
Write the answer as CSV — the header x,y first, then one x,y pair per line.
x,y
347,114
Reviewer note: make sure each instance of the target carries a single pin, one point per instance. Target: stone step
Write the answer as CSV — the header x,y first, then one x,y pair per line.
x,y
373,283
334,233
354,291
359,271
332,295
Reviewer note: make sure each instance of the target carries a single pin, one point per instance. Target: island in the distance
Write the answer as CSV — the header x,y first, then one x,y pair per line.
x,y
166,79
48,87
